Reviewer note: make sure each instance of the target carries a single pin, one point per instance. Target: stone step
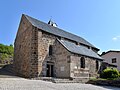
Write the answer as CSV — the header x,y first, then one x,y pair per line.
x,y
59,80
66,81
82,80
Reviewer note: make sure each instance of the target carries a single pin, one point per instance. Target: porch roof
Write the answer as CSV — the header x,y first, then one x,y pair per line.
x,y
79,49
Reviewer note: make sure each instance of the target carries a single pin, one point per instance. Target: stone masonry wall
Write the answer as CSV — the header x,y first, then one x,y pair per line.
x,y
62,61
26,50
44,41
22,48
88,71
34,53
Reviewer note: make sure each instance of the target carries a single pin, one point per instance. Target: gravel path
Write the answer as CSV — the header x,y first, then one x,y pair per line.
x,y
25,84
9,81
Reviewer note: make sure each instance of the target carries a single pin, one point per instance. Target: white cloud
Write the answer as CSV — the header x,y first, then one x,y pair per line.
x,y
116,38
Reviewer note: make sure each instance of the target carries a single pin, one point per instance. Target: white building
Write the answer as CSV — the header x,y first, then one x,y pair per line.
x,y
112,57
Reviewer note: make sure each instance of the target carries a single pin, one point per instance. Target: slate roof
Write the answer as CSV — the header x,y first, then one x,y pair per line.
x,y
56,31
115,51
79,49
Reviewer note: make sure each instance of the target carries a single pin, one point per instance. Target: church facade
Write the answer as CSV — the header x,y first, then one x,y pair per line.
x,y
43,50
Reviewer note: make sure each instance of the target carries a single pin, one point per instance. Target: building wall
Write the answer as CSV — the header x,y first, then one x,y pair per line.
x,y
22,48
44,41
62,61
34,53
71,64
108,58
88,71
26,50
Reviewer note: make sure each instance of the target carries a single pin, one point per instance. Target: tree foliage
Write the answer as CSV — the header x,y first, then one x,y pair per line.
x,y
6,49
6,52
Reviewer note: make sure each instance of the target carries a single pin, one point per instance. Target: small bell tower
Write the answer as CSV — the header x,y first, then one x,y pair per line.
x,y
50,22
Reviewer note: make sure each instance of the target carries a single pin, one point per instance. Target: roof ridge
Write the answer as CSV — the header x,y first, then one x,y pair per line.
x,y
53,26
57,31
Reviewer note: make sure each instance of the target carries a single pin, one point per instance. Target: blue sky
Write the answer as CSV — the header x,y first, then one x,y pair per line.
x,y
98,21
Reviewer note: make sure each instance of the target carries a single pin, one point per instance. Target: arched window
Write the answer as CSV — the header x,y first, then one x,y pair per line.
x,y
82,62
50,50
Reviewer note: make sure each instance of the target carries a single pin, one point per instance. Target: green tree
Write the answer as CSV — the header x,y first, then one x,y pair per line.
x,y
6,52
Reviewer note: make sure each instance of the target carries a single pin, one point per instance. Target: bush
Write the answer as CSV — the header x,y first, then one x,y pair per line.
x,y
110,73
6,53
6,49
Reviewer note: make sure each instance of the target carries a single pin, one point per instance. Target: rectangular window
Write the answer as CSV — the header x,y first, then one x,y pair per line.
x,y
114,60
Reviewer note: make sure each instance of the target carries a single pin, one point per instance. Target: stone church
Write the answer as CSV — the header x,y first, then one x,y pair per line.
x,y
43,50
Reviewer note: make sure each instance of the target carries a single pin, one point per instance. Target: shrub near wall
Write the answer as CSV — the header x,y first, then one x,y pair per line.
x,y
111,78
110,73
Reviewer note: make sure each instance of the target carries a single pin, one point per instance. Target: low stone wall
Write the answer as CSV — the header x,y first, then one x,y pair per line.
x,y
105,82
